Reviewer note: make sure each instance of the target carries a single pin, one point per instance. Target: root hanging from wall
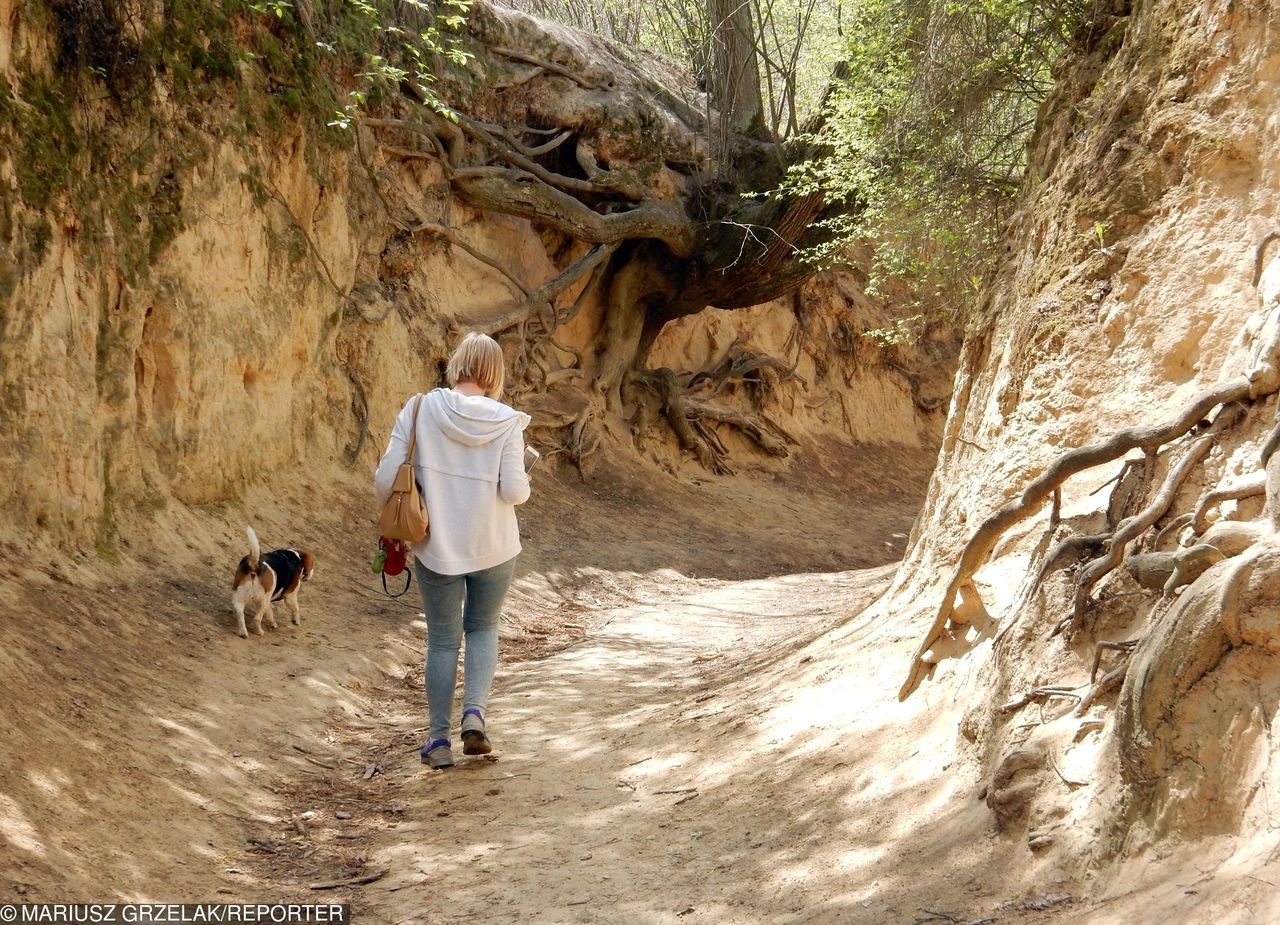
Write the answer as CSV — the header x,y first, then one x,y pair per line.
x,y
1262,379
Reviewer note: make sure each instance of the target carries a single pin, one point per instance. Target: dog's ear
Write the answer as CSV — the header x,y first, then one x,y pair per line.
x,y
308,565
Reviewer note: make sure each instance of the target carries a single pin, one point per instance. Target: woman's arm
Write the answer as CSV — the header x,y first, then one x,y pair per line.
x,y
513,481
393,458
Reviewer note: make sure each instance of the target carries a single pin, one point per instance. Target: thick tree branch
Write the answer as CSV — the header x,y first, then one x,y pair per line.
x,y
516,192
752,255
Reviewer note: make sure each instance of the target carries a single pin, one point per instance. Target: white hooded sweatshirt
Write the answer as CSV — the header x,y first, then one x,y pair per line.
x,y
469,462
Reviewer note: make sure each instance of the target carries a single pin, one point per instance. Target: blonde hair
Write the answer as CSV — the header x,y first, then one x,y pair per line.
x,y
478,359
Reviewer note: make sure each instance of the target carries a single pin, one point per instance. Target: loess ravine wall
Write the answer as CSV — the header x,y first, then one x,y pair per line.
x,y
201,288
1127,289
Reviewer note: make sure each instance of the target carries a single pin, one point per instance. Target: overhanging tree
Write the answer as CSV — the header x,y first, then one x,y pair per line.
x,y
667,198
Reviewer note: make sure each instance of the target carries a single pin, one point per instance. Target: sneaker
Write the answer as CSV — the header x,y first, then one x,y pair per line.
x,y
474,740
438,754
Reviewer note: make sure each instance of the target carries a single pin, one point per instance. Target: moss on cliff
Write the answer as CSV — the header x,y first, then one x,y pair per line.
x,y
107,129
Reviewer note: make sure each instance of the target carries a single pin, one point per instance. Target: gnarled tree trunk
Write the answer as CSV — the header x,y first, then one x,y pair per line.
x,y
609,148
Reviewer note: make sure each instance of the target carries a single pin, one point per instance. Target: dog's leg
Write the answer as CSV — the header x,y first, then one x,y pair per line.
x,y
263,604
292,600
266,588
242,595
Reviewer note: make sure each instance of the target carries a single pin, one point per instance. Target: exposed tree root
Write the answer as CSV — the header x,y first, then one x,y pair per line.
x,y
518,192
1096,688
1173,526
518,80
1167,571
710,452
1253,485
1259,255
740,364
583,439
1109,682
665,226
1263,380
1236,578
1232,537
560,375
1125,646
452,236
1087,726
694,423
549,66
1125,488
408,153
1039,695
765,433
1131,486
553,420
548,291
512,151
635,284
1190,564
536,365
1150,569
1059,555
1272,443
360,408
1132,527
970,624
276,196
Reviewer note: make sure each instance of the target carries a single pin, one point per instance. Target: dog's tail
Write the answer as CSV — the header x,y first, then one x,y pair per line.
x,y
255,551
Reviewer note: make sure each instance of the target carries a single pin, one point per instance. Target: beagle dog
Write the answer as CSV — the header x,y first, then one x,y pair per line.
x,y
262,580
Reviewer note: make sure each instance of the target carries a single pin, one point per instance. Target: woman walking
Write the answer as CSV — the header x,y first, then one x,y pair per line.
x,y
469,463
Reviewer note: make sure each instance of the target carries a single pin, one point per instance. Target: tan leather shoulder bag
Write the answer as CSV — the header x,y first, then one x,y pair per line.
x,y
405,515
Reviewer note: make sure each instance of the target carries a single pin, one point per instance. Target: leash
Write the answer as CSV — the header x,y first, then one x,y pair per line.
x,y
408,580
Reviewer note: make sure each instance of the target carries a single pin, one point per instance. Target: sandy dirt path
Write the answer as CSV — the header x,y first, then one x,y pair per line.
x,y
598,808
697,749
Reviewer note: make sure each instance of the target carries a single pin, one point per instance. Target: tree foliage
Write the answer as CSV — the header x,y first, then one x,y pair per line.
x,y
796,43
408,44
925,128
911,117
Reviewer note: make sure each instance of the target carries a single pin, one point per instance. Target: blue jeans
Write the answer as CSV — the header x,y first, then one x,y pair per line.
x,y
454,605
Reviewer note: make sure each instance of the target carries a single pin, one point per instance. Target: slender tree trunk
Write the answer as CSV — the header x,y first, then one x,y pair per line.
x,y
734,82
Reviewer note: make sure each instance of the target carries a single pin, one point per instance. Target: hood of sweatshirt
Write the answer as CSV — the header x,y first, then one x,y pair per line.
x,y
472,420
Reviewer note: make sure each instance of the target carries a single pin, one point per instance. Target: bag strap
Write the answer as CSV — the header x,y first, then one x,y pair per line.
x,y
413,430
